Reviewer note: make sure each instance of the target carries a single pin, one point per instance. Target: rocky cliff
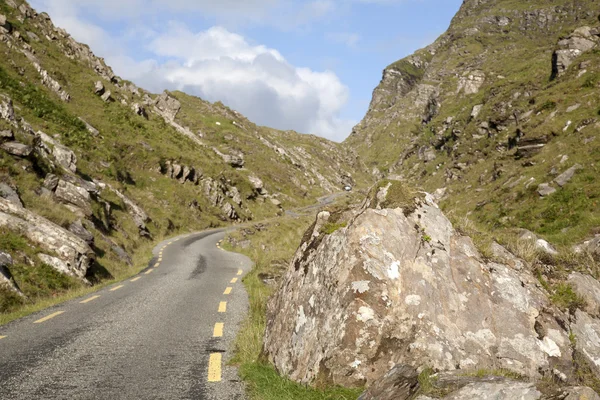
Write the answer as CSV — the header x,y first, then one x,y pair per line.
x,y
393,286
92,167
500,112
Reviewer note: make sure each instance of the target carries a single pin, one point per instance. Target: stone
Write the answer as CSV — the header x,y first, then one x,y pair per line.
x,y
509,390
139,110
6,134
234,194
7,112
75,253
122,254
32,36
6,279
545,189
137,213
52,83
95,132
589,289
107,96
540,244
51,182
573,108
471,82
275,202
47,146
167,106
257,184
10,194
99,88
476,111
566,176
4,24
591,246
578,393
402,286
587,338
400,383
17,149
78,229
229,211
74,195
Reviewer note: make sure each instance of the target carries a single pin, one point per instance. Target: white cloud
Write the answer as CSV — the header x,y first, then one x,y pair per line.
x,y
220,65
217,64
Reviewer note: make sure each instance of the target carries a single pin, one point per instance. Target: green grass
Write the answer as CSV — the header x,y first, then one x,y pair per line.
x,y
331,227
565,297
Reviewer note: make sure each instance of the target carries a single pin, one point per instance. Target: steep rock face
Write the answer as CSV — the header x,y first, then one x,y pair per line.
x,y
401,286
73,255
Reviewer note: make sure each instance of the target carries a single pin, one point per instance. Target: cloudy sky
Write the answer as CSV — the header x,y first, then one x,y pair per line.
x,y
310,66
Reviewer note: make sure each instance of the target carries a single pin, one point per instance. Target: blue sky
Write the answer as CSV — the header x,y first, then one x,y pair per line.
x,y
310,66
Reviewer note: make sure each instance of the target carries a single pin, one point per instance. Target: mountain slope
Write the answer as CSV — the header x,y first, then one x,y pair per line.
x,y
92,167
494,112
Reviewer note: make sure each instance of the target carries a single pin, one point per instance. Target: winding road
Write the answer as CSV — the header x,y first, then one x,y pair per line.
x,y
163,334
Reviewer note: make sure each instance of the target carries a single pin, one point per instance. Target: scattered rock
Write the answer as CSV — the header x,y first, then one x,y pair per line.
x,y
540,244
578,393
74,195
545,189
476,111
17,149
47,146
137,213
471,82
580,41
122,254
167,106
78,229
508,390
10,194
589,289
4,24
99,88
51,182
95,132
6,278
139,110
257,184
236,161
7,135
573,108
107,96
587,339
566,176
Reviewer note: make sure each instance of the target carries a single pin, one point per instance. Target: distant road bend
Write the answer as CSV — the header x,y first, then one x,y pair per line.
x,y
163,334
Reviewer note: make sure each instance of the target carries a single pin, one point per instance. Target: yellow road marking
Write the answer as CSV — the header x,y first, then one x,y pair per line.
x,y
218,332
39,321
2,337
223,306
88,300
117,288
214,367
228,290
240,272
149,271
157,265
234,280
136,279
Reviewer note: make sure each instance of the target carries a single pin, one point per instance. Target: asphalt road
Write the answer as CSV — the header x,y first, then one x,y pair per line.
x,y
155,336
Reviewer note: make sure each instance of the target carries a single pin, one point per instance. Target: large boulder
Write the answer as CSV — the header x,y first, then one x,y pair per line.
x,y
50,148
75,196
17,149
583,39
586,331
4,24
398,285
74,252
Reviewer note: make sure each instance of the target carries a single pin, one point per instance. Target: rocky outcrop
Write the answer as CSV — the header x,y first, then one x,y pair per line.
x,y
167,106
401,286
234,160
181,173
75,197
137,213
17,149
580,41
51,83
10,194
72,255
6,279
139,110
52,149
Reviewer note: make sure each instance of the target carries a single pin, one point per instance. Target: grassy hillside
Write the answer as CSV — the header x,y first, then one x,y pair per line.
x,y
489,113
136,169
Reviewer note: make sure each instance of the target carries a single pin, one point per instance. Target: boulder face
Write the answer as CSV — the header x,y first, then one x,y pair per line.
x,y
401,286
73,255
